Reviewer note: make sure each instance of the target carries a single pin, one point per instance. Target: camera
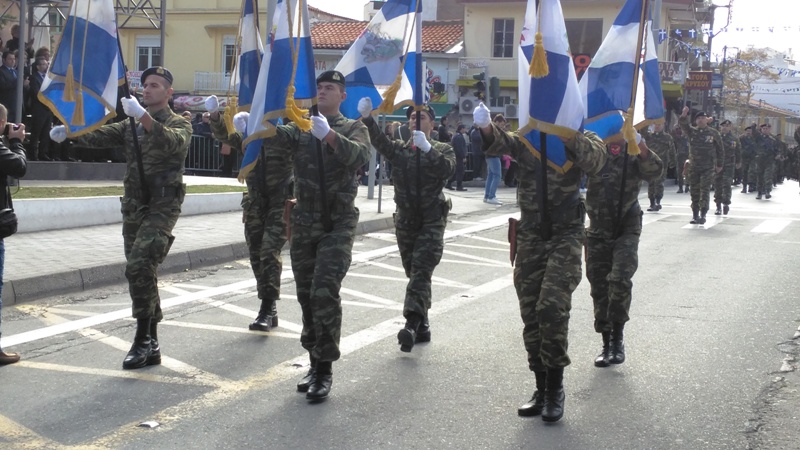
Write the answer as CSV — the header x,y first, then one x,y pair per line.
x,y
8,128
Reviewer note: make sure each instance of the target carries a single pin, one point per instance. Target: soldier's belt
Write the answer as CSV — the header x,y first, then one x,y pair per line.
x,y
565,215
162,191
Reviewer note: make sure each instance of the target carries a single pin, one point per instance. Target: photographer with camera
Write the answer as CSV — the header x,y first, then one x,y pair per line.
x,y
12,164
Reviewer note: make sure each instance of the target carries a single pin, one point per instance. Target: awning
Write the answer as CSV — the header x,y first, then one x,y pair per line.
x,y
672,90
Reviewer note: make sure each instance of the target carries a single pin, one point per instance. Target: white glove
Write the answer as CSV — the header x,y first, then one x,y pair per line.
x,y
58,133
320,127
132,107
638,138
365,107
240,120
212,103
481,116
421,142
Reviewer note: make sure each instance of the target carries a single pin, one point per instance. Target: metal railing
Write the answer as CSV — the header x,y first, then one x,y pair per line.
x,y
204,158
211,81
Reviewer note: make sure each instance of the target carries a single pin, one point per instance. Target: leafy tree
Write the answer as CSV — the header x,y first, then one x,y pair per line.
x,y
740,73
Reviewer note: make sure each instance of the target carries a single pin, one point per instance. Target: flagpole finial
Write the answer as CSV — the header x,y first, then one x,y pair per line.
x,y
539,67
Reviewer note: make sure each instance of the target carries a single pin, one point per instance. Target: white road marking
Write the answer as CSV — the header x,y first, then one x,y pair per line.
x,y
370,297
397,307
467,258
478,247
227,329
711,221
492,241
771,226
436,281
650,218
127,374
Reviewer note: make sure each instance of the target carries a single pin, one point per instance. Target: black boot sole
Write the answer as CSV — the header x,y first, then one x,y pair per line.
x,y
256,327
406,340
601,363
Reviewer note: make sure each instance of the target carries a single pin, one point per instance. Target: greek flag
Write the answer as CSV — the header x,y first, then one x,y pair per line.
x,y
250,53
288,63
385,58
81,85
553,103
608,84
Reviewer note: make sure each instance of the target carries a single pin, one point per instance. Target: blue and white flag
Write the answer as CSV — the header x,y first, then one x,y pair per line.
x,y
553,103
251,51
288,63
386,52
608,84
87,70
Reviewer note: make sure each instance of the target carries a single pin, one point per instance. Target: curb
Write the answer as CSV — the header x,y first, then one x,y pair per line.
x,y
79,280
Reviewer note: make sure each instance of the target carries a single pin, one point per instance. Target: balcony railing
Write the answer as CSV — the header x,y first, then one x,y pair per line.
x,y
211,81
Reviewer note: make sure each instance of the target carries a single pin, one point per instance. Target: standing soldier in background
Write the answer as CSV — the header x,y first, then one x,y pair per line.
x,y
269,185
422,210
749,150
147,223
682,154
547,264
766,152
780,161
731,161
660,143
705,154
612,241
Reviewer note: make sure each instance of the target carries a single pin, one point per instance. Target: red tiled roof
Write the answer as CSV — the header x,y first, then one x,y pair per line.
x,y
437,36
319,11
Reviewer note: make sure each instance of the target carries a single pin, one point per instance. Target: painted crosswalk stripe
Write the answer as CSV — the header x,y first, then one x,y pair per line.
x,y
771,226
710,222
650,218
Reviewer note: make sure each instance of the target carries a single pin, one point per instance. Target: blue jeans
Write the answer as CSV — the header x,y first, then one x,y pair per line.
x,y
2,264
492,177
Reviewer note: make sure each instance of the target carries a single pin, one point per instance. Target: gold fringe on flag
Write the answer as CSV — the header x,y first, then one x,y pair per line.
x,y
539,67
294,112
69,85
629,133
77,116
227,116
387,106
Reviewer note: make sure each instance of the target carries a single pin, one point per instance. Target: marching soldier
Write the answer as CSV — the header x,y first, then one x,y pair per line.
x,y
767,151
731,161
150,206
748,144
705,154
422,209
269,186
682,154
662,144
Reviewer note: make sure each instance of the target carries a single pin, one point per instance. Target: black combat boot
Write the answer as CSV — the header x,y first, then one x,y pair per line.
x,y
744,189
267,318
751,188
702,219
321,382
658,203
602,359
726,209
680,189
553,409
652,205
141,350
305,382
424,331
408,335
155,349
768,195
758,197
536,404
695,216
616,345
718,211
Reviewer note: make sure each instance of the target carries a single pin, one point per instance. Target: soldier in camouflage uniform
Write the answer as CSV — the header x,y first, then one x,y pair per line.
x,y
662,144
147,224
731,161
269,185
548,259
748,144
612,242
420,169
682,154
780,161
766,152
706,155
321,246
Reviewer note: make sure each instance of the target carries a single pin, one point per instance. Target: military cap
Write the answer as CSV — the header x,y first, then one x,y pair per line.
x,y
331,76
765,125
700,114
749,128
157,70
425,108
725,122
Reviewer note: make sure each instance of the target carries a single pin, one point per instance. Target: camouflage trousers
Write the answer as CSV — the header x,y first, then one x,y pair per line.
x,y
147,237
748,172
320,262
764,170
700,179
420,250
545,275
655,189
265,234
722,184
610,265
679,169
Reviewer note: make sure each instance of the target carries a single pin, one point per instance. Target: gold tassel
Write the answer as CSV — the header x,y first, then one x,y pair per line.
x,y
69,85
629,133
77,116
227,116
387,106
539,67
295,113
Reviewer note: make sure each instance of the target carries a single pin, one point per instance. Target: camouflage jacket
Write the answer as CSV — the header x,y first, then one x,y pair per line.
x,y
603,194
733,149
164,149
587,153
272,174
766,145
341,163
748,145
663,145
681,145
705,145
415,190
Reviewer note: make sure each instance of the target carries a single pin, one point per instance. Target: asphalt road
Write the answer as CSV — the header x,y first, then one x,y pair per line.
x,y
714,313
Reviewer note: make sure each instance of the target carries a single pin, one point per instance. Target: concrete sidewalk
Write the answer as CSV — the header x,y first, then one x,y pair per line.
x,y
56,262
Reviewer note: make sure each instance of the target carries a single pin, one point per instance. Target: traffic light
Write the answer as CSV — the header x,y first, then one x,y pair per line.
x,y
494,87
480,86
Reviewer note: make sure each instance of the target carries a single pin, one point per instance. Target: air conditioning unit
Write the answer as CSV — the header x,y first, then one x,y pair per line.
x,y
466,105
511,111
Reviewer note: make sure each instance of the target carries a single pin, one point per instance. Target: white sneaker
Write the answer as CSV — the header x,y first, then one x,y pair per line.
x,y
494,201
477,179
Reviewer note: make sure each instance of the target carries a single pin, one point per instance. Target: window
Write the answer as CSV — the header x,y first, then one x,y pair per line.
x,y
228,54
148,52
504,38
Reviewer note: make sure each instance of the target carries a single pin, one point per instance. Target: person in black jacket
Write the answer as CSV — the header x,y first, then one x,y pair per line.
x,y
12,164
459,144
42,116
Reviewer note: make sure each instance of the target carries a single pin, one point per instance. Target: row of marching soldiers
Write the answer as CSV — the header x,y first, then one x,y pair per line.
x,y
714,159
